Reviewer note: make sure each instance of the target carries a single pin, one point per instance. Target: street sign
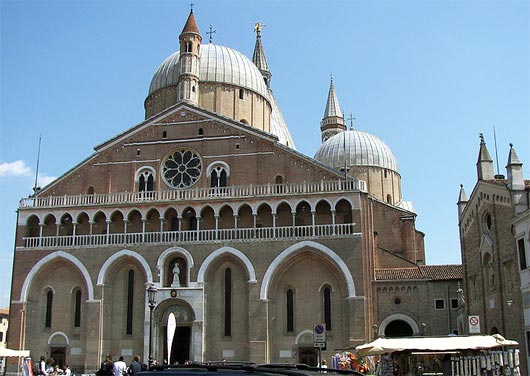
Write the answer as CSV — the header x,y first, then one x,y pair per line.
x,y
319,333
319,336
474,324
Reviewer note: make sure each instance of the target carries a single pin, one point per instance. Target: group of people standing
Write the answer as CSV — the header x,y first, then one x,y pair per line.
x,y
48,367
119,367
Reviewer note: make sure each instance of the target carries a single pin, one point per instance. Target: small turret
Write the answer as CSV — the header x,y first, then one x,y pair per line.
x,y
514,171
333,120
190,44
516,184
484,163
258,58
462,202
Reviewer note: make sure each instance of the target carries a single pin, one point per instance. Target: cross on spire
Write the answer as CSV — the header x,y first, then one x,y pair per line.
x,y
210,33
351,119
191,7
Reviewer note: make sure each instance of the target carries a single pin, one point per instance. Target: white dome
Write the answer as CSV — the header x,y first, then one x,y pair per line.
x,y
218,64
361,149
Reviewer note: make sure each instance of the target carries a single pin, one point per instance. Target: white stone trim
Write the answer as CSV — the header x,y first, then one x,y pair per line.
x,y
58,334
214,164
52,257
174,251
217,253
303,333
124,253
273,267
140,170
398,316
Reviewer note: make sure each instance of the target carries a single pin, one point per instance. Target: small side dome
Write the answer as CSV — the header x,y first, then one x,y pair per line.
x,y
218,64
361,149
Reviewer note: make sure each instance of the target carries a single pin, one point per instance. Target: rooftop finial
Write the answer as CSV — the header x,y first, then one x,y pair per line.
x,y
257,28
511,145
351,119
191,7
210,33
481,136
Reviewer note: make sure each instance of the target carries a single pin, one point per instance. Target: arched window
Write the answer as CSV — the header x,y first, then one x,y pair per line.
x,y
188,46
49,304
218,177
146,182
77,309
388,199
228,302
218,173
327,307
130,300
290,310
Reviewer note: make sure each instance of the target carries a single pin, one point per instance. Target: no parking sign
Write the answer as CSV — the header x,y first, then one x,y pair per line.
x,y
474,324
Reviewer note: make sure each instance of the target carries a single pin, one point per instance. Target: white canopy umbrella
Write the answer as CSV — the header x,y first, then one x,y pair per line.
x,y
449,343
5,352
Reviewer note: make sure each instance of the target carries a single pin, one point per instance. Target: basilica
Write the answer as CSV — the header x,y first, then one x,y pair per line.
x,y
205,212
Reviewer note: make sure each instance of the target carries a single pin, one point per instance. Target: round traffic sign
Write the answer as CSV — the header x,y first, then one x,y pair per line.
x,y
319,329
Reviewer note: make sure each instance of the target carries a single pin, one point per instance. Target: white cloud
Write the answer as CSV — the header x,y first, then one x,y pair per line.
x,y
45,180
21,169
16,168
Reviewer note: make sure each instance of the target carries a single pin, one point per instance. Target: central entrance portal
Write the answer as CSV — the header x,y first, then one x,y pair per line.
x,y
180,350
308,355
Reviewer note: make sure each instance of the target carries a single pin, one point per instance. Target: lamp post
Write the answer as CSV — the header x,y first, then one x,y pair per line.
x,y
151,296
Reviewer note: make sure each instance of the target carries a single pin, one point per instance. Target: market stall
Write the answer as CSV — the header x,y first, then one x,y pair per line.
x,y
450,355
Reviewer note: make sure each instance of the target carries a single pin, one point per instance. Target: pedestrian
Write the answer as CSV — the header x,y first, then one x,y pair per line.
x,y
323,364
42,366
135,367
107,367
120,368
67,370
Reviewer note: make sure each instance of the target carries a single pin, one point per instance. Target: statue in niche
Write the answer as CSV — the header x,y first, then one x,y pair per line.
x,y
176,275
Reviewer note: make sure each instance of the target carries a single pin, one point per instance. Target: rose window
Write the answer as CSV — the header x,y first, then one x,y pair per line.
x,y
182,168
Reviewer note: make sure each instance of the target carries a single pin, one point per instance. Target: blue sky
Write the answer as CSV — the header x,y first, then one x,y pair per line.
x,y
424,76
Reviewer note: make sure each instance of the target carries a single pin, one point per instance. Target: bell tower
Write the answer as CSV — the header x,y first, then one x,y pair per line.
x,y
188,79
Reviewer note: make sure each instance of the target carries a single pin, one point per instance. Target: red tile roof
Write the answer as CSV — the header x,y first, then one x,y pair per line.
x,y
427,272
191,25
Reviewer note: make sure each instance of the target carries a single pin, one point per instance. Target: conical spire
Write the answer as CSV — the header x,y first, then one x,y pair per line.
x,y
191,25
514,170
462,201
258,58
484,162
513,159
332,106
333,121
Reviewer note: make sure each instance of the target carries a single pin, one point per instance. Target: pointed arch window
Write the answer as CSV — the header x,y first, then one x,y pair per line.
x,y
146,182
326,295
130,300
145,178
228,303
77,309
218,177
219,173
49,306
290,310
